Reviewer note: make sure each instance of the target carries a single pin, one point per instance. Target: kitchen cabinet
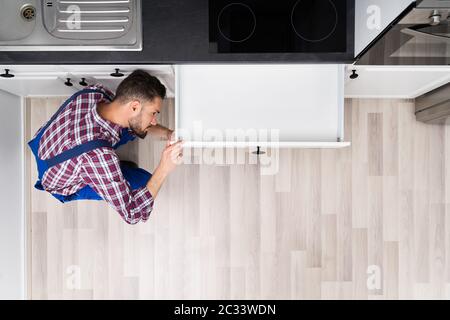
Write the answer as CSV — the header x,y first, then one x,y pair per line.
x,y
304,103
243,105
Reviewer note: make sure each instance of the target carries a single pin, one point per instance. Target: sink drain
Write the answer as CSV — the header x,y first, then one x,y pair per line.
x,y
28,12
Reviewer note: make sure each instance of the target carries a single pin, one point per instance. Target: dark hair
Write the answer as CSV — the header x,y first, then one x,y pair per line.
x,y
140,85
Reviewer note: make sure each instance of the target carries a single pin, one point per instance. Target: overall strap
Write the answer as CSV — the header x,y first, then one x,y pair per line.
x,y
80,149
76,151
73,97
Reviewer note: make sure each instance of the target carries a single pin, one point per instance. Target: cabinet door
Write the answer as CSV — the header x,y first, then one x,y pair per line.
x,y
302,105
48,80
37,85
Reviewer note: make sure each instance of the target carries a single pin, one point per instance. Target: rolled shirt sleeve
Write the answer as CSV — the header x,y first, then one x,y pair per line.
x,y
101,171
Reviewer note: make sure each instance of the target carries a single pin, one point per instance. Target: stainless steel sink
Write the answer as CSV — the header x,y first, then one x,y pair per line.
x,y
65,25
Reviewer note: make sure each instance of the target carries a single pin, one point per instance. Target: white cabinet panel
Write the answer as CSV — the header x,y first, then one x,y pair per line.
x,y
12,244
395,81
48,80
303,103
38,85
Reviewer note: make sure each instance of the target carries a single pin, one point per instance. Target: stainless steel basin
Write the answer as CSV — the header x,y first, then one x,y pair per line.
x,y
75,25
12,28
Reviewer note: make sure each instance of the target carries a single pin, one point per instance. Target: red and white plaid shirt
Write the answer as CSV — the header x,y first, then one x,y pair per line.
x,y
79,122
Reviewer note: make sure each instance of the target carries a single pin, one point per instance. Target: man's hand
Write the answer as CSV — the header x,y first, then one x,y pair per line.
x,y
171,135
172,155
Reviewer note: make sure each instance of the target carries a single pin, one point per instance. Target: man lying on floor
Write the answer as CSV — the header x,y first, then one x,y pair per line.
x,y
75,153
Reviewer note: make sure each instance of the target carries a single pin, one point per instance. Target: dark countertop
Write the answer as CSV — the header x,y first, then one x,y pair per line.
x,y
174,31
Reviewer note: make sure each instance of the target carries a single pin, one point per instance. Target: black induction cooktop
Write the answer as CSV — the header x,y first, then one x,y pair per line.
x,y
266,26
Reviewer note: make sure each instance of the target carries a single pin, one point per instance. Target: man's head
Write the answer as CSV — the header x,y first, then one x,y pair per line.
x,y
141,94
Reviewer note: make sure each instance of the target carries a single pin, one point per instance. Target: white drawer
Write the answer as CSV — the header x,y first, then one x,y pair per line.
x,y
291,106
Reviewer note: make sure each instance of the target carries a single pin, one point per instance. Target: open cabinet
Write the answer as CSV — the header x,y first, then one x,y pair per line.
x,y
31,81
303,103
286,106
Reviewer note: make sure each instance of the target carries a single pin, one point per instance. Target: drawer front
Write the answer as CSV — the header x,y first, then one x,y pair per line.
x,y
240,105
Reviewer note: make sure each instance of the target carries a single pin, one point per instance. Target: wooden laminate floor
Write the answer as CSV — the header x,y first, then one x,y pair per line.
x,y
367,222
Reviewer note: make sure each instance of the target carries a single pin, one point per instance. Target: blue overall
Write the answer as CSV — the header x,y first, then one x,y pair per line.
x,y
136,177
